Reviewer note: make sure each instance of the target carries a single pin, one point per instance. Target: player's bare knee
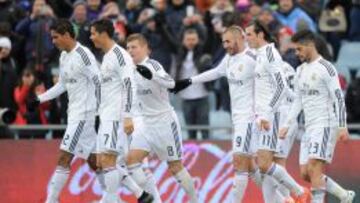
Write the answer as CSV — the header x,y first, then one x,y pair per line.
x,y
65,159
265,160
175,167
134,157
108,160
240,162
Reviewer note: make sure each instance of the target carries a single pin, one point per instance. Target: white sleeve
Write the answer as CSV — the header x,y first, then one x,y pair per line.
x,y
53,92
159,75
296,105
280,85
213,74
92,72
128,90
333,85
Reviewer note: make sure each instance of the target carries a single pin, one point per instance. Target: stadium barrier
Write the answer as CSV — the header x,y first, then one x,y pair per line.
x,y
27,166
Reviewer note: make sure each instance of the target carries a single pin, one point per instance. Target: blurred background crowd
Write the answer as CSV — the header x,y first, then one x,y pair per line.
x,y
185,37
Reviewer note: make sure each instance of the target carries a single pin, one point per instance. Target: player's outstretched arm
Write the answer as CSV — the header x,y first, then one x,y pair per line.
x,y
206,76
51,93
156,73
180,85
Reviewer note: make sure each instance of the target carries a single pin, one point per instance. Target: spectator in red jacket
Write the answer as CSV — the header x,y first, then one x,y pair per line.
x,y
27,89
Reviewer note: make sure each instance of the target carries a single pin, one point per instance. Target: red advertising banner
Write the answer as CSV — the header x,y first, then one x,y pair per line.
x,y
28,165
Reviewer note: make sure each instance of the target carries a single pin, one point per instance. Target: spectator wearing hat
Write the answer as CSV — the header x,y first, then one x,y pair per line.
x,y
289,14
8,75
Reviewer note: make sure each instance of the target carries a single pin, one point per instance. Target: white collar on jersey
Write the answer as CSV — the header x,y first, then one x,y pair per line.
x,y
265,46
144,61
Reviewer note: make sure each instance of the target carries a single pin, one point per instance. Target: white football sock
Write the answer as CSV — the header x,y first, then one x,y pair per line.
x,y
334,188
57,183
101,179
128,182
184,179
268,187
151,187
240,182
318,195
111,176
280,174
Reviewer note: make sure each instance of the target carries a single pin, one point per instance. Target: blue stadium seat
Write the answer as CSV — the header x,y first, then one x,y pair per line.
x,y
349,59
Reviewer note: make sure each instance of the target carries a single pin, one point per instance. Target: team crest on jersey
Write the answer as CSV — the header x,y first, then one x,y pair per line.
x,y
241,67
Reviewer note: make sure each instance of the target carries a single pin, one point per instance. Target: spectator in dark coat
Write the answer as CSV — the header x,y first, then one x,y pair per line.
x,y
38,46
8,75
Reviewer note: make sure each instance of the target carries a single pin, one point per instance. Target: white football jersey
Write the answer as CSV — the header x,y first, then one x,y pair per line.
x,y
239,70
152,96
79,77
318,93
289,75
269,81
116,84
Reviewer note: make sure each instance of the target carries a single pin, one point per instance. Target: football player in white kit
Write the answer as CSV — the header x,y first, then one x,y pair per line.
x,y
238,66
160,131
270,89
115,111
79,77
284,145
318,94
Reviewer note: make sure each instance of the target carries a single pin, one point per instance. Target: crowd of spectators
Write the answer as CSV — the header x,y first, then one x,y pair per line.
x,y
184,35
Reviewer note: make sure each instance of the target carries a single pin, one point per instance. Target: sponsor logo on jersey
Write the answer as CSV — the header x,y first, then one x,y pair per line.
x,y
144,92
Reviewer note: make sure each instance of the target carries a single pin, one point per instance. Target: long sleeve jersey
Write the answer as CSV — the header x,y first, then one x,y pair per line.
x,y
117,84
152,96
289,76
79,77
239,70
270,84
318,93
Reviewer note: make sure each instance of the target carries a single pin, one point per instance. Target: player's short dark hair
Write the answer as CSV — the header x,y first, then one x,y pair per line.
x,y
139,37
304,36
104,25
63,26
261,28
190,31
